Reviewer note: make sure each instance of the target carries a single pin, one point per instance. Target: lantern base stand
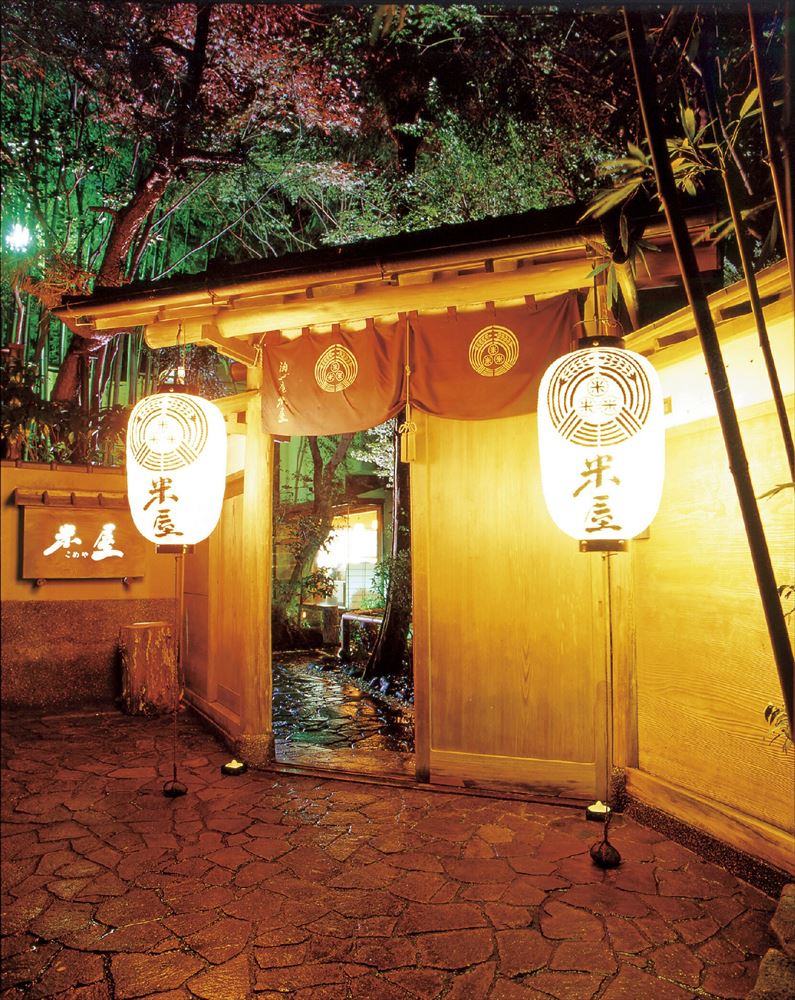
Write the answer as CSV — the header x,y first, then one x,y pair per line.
x,y
604,545
603,854
174,550
173,789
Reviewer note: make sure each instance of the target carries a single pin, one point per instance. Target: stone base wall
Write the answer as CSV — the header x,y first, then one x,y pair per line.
x,y
61,654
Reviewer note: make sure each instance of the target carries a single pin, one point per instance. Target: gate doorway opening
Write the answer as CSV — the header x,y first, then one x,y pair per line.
x,y
334,706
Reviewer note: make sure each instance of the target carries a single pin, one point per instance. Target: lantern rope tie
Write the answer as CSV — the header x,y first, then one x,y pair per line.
x,y
408,429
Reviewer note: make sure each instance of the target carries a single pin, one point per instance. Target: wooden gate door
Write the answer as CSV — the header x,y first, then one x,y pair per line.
x,y
509,636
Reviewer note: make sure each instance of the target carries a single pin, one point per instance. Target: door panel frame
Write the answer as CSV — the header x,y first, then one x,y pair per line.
x,y
436,759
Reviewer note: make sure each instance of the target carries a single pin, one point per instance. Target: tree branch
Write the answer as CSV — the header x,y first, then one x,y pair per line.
x,y
198,156
217,236
339,454
164,42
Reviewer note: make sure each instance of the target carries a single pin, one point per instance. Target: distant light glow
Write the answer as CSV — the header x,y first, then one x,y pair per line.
x,y
19,238
353,541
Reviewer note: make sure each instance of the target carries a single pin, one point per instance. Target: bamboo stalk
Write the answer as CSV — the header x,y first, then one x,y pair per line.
x,y
729,177
120,346
98,379
768,129
85,381
19,324
44,372
727,416
29,313
761,328
788,136
148,376
132,370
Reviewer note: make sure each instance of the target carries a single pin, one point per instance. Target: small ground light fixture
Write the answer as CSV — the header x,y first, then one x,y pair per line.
x,y
234,767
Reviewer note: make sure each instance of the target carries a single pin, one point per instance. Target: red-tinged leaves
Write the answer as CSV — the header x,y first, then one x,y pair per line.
x,y
152,75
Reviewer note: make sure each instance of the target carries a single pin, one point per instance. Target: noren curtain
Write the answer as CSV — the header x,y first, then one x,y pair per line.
x,y
467,366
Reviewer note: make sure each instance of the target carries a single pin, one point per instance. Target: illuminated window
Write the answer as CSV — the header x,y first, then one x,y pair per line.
x,y
351,553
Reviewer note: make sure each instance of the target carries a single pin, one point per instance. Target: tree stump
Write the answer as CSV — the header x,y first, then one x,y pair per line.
x,y
149,684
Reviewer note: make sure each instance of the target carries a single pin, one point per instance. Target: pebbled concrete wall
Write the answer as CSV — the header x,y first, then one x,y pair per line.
x,y
58,654
60,641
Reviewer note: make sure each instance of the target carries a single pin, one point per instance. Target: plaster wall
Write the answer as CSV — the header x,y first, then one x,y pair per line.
x,y
59,641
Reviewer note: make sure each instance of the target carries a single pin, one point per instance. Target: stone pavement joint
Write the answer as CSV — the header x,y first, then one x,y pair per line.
x,y
276,885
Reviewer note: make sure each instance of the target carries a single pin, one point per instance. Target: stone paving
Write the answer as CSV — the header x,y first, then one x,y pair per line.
x,y
315,704
271,885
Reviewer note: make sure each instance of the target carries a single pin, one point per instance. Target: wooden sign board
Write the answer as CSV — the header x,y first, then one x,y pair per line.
x,y
78,543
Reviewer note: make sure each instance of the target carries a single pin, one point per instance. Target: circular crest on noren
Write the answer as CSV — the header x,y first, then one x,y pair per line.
x,y
167,432
336,369
493,351
599,397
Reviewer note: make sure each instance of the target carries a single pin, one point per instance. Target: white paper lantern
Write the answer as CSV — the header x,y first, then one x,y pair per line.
x,y
601,443
176,467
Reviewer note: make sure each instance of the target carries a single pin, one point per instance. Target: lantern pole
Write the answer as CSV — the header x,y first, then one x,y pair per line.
x,y
727,415
174,787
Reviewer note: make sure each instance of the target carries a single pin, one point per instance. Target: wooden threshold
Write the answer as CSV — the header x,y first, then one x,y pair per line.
x,y
370,762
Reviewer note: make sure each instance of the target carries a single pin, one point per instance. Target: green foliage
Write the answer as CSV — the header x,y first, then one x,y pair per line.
x,y
467,173
394,571
776,718
37,430
706,149
376,447
320,583
691,163
311,127
379,586
200,366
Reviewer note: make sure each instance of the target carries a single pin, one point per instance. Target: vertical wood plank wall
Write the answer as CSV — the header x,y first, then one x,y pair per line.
x,y
214,656
508,642
197,588
705,670
227,595
253,570
226,618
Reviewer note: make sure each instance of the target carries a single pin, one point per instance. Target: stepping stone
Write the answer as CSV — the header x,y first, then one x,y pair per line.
x,y
776,979
783,922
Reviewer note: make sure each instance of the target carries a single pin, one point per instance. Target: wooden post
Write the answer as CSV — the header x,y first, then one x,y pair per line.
x,y
256,732
148,670
421,599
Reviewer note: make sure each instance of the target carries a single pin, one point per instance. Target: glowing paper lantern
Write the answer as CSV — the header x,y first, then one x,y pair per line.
x,y
176,467
601,443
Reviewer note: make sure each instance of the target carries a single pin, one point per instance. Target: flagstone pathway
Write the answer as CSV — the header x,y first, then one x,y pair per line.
x,y
321,718
274,885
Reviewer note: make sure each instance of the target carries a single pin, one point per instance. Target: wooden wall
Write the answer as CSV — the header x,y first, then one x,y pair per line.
x,y
195,653
214,660
508,616
227,591
705,670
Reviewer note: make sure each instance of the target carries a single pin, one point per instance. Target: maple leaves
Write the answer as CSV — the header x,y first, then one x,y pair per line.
x,y
228,67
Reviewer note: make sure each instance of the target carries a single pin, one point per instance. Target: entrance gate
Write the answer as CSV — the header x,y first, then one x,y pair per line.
x,y
509,641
